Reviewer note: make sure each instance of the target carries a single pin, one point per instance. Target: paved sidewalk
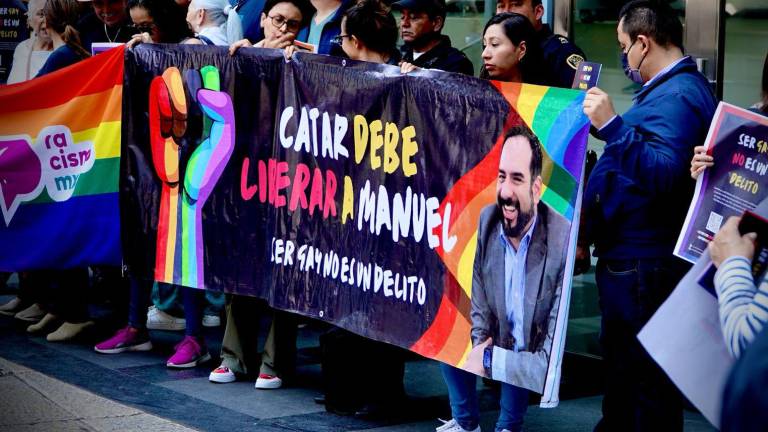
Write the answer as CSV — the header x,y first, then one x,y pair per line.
x,y
31,401
69,387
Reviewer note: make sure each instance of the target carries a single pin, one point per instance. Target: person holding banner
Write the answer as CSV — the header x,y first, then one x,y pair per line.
x,y
157,21
324,25
281,20
743,309
214,22
369,33
743,300
109,22
701,160
635,203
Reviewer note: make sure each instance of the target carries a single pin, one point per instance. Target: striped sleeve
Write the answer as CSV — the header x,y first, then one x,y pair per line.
x,y
743,307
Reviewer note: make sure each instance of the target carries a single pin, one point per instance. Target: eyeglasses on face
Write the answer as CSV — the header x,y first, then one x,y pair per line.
x,y
144,28
290,25
339,39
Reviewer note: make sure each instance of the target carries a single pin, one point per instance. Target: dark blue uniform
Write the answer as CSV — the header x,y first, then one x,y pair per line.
x,y
560,56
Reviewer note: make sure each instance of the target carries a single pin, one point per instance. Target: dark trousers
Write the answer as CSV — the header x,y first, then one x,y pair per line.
x,y
638,394
140,291
63,292
745,401
358,371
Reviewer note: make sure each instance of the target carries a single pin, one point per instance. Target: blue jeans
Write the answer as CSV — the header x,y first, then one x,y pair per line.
x,y
638,394
140,297
462,392
166,298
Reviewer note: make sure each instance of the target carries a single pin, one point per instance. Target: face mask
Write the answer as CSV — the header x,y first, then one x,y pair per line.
x,y
633,74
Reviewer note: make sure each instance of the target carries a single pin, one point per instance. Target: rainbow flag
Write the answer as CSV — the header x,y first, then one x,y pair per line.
x,y
555,116
60,167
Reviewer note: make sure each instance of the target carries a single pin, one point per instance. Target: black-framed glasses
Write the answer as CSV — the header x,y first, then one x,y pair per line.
x,y
339,39
144,28
290,25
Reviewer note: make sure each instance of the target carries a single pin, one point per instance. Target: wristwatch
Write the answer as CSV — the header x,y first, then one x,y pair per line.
x,y
488,360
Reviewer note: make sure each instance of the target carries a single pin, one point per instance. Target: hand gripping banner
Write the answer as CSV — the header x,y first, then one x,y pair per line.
x,y
431,211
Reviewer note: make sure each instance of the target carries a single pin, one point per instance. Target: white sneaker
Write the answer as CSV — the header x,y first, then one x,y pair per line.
x,y
159,320
11,308
33,313
453,426
222,374
265,381
211,321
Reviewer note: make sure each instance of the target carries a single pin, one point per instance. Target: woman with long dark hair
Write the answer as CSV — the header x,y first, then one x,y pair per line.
x,y
510,51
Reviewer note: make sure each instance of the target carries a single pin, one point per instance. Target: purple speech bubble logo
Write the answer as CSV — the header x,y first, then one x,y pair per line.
x,y
20,174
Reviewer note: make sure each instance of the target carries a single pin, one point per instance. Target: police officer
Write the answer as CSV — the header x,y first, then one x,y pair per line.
x,y
561,56
421,24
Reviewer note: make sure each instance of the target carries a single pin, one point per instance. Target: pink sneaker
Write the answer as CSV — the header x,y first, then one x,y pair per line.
x,y
127,339
189,353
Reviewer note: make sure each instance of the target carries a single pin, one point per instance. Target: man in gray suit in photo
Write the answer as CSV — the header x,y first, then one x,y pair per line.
x,y
518,271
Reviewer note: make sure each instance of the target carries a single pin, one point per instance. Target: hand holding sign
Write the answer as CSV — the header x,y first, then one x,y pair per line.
x,y
701,161
729,242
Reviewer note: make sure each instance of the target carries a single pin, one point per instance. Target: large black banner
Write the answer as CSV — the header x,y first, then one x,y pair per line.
x,y
343,190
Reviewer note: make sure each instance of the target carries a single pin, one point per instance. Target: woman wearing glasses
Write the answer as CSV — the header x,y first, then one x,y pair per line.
x,y
281,21
158,21
369,33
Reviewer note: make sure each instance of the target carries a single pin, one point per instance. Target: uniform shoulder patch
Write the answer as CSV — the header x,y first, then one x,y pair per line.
x,y
573,60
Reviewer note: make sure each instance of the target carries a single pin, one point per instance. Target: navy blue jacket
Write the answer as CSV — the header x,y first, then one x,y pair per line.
x,y
331,29
60,58
640,189
250,18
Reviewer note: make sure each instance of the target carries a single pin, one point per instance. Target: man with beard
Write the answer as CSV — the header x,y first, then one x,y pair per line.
x,y
516,286
514,311
421,22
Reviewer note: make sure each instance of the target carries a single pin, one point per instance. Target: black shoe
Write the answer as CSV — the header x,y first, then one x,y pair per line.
x,y
372,411
320,400
342,411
